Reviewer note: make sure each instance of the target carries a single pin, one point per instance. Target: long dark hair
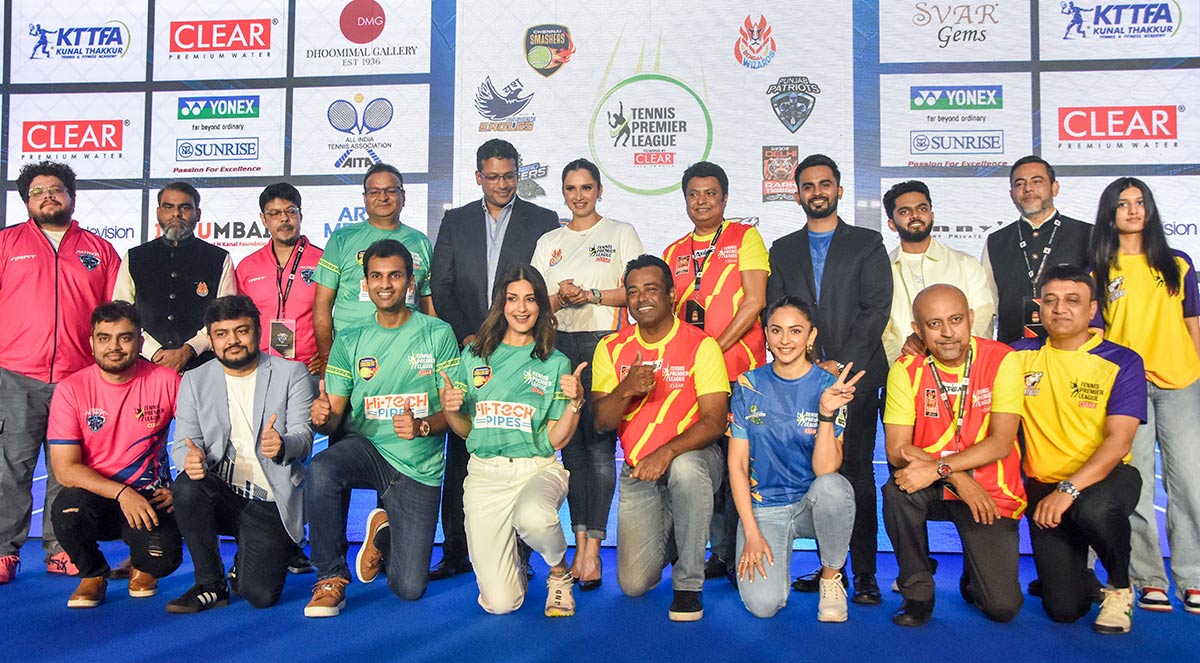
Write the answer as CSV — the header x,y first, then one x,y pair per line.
x,y
1106,241
495,325
805,309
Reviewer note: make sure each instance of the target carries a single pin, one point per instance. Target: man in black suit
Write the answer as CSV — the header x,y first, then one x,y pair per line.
x,y
844,270
1016,255
497,231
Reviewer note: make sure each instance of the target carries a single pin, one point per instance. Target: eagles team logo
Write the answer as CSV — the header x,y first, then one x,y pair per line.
x,y
367,368
90,262
755,47
202,289
502,103
480,376
95,420
1033,383
548,48
793,99
307,275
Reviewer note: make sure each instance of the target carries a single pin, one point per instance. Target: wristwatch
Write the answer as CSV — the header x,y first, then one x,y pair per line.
x,y
423,429
577,408
944,470
1068,488
595,296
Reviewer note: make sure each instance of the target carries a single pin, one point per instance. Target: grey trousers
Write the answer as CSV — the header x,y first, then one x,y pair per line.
x,y
24,414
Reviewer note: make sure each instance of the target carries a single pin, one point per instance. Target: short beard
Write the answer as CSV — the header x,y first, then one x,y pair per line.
x,y
829,211
58,219
911,237
236,364
116,369
178,234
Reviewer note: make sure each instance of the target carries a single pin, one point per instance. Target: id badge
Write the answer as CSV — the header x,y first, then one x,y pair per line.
x,y
283,338
693,313
1031,318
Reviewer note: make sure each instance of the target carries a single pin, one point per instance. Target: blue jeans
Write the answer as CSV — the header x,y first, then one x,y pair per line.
x,y
1173,417
825,513
589,457
657,518
412,509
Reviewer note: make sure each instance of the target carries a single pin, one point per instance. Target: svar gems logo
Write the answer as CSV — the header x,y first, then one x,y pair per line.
x,y
755,47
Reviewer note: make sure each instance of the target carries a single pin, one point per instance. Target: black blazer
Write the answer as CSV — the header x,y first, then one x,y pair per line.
x,y
458,277
856,294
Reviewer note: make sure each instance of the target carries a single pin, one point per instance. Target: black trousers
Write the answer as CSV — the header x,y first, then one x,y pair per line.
x,y
454,533
208,508
83,518
858,465
990,552
1099,519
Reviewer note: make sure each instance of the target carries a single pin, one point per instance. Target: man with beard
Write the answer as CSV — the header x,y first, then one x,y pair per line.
x,y
844,270
921,261
241,437
54,274
279,278
172,279
107,435
1016,254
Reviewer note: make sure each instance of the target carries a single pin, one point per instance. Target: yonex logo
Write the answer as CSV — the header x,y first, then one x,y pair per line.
x,y
225,107
957,97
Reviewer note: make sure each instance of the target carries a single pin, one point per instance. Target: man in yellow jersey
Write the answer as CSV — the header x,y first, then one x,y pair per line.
x,y
1084,399
951,424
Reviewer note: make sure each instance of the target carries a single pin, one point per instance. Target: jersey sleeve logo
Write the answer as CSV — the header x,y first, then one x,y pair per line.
x,y
367,368
756,416
95,419
480,376
1033,381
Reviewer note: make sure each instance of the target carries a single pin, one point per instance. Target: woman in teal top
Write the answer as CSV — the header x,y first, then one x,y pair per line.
x,y
516,402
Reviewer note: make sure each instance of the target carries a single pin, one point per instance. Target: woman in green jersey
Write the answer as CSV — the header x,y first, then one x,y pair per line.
x,y
522,404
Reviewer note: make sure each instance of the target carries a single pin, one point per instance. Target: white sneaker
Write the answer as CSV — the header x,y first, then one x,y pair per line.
x,y
560,602
1116,612
832,606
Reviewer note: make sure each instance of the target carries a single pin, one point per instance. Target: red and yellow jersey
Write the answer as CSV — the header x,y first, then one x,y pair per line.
x,y
995,385
1068,396
739,248
687,364
1142,315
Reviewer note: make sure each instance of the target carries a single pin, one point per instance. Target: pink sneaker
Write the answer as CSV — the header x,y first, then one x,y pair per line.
x,y
60,562
8,568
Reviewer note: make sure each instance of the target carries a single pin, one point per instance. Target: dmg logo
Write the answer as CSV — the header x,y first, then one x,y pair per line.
x,y
218,108
956,97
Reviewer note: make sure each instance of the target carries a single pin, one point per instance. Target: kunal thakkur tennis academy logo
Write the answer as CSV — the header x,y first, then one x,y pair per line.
x,y
646,130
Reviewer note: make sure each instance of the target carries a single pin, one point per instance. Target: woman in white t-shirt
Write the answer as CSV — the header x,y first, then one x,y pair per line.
x,y
583,263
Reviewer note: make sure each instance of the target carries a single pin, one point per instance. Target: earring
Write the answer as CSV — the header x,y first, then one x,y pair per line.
x,y
808,349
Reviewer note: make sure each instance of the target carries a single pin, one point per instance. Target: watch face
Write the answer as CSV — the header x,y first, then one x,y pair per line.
x,y
943,470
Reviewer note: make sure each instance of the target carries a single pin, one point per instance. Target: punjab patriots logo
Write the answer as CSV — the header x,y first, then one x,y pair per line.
x,y
89,261
755,47
548,48
793,99
307,275
95,419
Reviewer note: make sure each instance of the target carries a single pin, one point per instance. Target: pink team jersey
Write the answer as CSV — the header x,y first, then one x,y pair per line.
x,y
260,278
122,428
47,297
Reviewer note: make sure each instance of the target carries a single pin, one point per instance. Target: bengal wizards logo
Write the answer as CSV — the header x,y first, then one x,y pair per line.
x,y
755,47
307,275
548,48
367,368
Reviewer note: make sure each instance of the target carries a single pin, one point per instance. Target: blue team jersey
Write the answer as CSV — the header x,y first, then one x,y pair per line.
x,y
779,418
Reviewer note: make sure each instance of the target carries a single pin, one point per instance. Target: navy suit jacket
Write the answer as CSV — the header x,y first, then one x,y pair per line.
x,y
459,274
283,388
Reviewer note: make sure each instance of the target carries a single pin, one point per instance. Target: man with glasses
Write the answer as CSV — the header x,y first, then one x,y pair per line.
x,y
54,273
341,296
496,231
172,279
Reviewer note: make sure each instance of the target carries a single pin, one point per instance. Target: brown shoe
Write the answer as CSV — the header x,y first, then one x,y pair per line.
x,y
142,584
122,571
329,597
370,557
90,593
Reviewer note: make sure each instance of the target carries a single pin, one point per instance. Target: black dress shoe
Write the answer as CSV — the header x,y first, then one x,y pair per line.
x,y
715,567
866,590
448,568
810,583
913,613
589,585
1035,587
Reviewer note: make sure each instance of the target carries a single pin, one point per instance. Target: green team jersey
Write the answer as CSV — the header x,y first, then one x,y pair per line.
x,y
511,399
340,269
384,370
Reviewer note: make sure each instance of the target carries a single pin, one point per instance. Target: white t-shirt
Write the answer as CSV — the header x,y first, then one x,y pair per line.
x,y
594,258
246,478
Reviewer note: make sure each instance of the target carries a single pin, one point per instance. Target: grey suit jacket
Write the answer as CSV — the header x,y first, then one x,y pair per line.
x,y
283,389
458,277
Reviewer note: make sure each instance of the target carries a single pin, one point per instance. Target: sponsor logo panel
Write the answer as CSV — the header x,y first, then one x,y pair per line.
x,y
220,40
217,133
77,42
965,30
365,37
99,136
348,130
1083,30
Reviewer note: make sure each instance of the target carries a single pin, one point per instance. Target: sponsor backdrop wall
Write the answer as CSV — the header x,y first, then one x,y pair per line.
x,y
236,95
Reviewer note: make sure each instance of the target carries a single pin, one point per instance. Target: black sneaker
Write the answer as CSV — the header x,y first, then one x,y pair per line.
x,y
299,562
200,598
715,567
232,576
686,607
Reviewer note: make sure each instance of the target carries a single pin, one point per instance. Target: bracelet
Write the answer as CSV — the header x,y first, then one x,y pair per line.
x,y
118,495
577,408
829,419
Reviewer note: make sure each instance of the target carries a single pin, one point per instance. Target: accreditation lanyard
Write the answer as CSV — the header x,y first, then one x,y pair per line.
x,y
698,264
1034,277
963,397
284,292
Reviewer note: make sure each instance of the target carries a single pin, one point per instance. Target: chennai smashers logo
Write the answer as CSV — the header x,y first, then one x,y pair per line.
x,y
548,47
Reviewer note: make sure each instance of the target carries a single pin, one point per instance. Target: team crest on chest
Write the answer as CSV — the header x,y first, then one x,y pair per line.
x,y
367,368
307,275
931,403
89,261
1116,289
538,382
202,289
1033,381
682,265
95,419
480,376
360,255
555,257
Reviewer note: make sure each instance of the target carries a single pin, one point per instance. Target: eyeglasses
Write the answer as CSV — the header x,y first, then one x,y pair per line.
x,y
375,193
37,191
293,212
492,178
